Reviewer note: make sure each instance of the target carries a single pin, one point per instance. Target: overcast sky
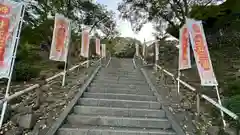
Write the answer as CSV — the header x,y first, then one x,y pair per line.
x,y
124,27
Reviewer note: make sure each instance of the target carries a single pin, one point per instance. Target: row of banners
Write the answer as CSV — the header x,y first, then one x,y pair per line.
x,y
10,17
61,38
192,33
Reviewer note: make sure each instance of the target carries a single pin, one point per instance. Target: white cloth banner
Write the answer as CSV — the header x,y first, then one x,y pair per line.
x,y
157,51
137,49
103,50
85,43
60,39
201,53
10,16
98,47
184,61
143,50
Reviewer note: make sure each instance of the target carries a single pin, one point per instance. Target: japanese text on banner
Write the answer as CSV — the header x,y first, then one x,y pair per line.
x,y
98,47
201,53
10,13
85,44
184,49
61,37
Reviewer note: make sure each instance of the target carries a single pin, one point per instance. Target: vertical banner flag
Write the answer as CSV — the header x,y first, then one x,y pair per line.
x,y
103,50
184,61
137,50
85,43
10,15
60,39
201,53
98,47
144,49
157,51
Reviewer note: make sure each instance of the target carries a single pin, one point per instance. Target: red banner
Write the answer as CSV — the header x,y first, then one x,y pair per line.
x,y
61,34
184,49
60,40
4,26
200,49
201,53
85,44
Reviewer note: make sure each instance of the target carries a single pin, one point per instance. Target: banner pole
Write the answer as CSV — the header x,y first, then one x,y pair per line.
x,y
66,60
16,42
178,83
64,73
220,103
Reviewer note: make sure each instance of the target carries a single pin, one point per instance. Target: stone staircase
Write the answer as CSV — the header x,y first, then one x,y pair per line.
x,y
118,102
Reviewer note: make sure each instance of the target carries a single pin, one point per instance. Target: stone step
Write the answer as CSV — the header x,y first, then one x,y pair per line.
x,y
122,81
123,112
121,91
119,96
104,130
118,85
119,103
119,75
118,121
114,78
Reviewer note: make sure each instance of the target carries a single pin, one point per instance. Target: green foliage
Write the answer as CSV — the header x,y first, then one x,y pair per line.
x,y
25,71
233,104
233,88
127,52
28,52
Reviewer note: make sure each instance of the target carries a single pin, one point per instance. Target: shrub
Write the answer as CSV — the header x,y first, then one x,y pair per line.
x,y
24,71
233,104
233,88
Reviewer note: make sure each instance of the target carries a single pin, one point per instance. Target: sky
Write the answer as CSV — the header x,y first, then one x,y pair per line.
x,y
124,26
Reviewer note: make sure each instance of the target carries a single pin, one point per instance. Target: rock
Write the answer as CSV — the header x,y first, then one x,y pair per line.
x,y
15,131
45,87
23,109
213,130
27,121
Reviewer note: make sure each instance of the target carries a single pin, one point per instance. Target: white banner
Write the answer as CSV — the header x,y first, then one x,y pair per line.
x,y
85,43
157,51
10,16
143,50
98,47
60,39
201,53
184,61
103,50
137,49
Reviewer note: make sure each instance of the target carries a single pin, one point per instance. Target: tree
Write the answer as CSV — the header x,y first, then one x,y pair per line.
x,y
172,12
37,30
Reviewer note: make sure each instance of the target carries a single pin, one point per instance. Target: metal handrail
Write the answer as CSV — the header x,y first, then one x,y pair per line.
x,y
26,90
210,100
